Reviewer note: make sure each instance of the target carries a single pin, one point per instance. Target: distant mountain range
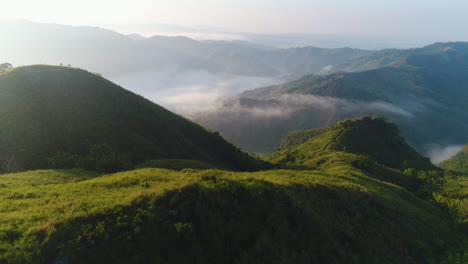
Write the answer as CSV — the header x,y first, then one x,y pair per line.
x,y
425,91
114,54
280,40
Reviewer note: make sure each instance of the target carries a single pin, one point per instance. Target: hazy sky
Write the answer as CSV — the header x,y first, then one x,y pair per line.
x,y
447,18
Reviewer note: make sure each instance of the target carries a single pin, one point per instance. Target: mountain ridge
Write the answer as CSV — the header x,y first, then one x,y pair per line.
x,y
94,48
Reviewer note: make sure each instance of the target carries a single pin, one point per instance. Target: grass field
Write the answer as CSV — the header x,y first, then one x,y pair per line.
x,y
277,215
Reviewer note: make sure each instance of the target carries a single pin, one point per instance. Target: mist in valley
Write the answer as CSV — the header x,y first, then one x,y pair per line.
x,y
438,153
190,91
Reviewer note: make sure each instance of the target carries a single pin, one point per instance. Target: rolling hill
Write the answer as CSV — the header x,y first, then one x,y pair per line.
x,y
65,117
350,209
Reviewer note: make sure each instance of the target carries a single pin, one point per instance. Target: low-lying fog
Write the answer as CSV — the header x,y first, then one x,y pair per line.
x,y
185,91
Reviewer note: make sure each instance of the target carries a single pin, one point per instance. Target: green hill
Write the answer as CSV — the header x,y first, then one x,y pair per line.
x,y
64,117
370,136
454,195
458,163
298,137
368,143
159,216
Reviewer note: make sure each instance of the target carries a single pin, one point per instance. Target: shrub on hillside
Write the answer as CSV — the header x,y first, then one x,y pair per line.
x,y
101,158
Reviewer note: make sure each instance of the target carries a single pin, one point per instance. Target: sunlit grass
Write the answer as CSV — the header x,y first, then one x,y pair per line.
x,y
38,202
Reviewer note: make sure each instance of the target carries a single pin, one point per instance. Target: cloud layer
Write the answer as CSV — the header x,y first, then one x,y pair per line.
x,y
287,105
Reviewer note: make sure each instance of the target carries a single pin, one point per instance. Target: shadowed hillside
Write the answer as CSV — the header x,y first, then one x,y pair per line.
x,y
64,117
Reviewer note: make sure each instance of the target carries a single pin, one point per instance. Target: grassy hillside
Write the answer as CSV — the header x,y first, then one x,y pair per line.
x,y
65,117
176,164
458,163
160,216
454,194
366,140
298,137
368,143
370,136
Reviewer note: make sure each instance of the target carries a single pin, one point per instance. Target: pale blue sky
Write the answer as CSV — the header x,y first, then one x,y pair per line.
x,y
445,18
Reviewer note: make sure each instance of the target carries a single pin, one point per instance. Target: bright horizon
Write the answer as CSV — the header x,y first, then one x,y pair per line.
x,y
442,20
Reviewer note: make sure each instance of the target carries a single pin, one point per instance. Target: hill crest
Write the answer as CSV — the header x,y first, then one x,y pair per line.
x,y
371,136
